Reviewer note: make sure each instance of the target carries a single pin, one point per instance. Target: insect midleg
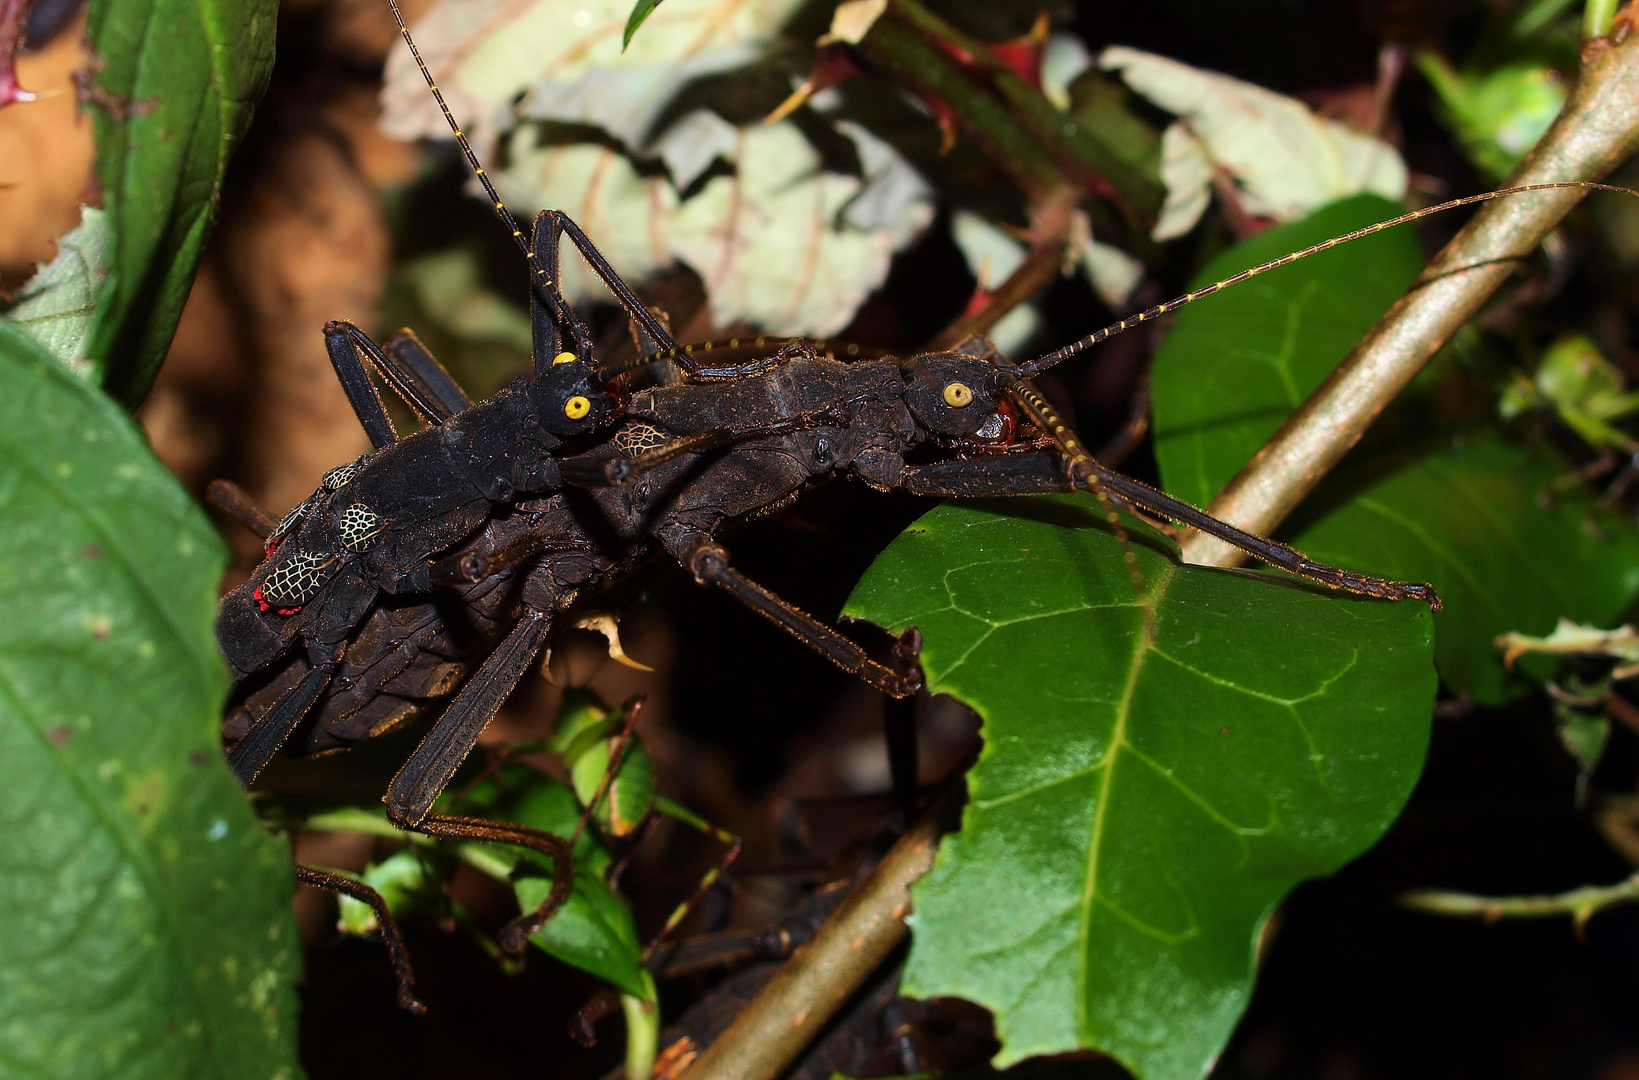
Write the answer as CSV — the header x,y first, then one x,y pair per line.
x,y
344,341
237,504
708,562
417,376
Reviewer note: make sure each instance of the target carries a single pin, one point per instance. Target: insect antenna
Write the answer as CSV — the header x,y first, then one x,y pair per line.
x,y
545,286
1083,469
1041,364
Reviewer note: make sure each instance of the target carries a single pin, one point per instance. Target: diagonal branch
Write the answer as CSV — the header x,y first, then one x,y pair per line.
x,y
1596,131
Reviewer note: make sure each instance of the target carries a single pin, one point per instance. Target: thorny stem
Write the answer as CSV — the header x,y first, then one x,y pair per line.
x,y
1581,904
1053,161
1596,131
778,1024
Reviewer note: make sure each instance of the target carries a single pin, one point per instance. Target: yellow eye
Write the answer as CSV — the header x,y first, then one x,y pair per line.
x,y
958,395
563,358
577,407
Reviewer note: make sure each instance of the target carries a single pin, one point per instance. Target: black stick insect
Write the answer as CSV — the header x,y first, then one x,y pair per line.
x,y
669,465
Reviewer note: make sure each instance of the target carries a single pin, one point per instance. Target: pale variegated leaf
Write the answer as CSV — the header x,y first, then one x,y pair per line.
x,y
567,55
57,304
1284,159
776,241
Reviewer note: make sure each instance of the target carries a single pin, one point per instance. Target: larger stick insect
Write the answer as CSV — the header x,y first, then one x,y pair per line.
x,y
561,481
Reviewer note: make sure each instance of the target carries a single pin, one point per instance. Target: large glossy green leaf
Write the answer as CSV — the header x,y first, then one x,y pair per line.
x,y
1236,363
179,78
1470,517
1156,775
145,925
1464,515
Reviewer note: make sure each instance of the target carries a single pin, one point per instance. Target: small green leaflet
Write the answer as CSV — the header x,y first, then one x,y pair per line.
x,y
594,930
58,303
640,11
145,924
1156,775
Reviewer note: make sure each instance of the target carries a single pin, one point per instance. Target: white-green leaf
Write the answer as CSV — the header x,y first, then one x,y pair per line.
x,y
1285,159
56,306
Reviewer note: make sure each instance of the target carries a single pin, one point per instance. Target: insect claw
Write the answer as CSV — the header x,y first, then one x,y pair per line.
x,y
546,667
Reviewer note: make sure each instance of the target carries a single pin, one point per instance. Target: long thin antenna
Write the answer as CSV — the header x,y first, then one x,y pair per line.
x,y
1037,366
542,279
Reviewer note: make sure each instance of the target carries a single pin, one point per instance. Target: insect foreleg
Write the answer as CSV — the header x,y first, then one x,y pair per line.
x,y
545,318
251,754
634,308
708,562
1042,473
343,340
1275,554
390,937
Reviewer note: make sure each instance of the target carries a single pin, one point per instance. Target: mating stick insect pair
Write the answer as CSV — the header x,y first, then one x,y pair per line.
x,y
380,591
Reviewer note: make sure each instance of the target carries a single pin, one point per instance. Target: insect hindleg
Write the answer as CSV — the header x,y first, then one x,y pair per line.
x,y
418,784
390,937
251,754
709,563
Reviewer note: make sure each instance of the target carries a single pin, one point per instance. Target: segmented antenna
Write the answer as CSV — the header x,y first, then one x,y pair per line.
x,y
1037,366
472,159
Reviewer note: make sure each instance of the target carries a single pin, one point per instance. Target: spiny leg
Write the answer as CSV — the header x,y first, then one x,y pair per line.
x,y
708,562
232,500
1270,551
424,776
390,936
546,318
448,827
1042,473
1080,462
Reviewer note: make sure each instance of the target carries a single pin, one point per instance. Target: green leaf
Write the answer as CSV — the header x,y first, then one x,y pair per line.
x,y
594,930
182,76
145,924
57,305
1463,516
640,12
1156,775
1237,362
